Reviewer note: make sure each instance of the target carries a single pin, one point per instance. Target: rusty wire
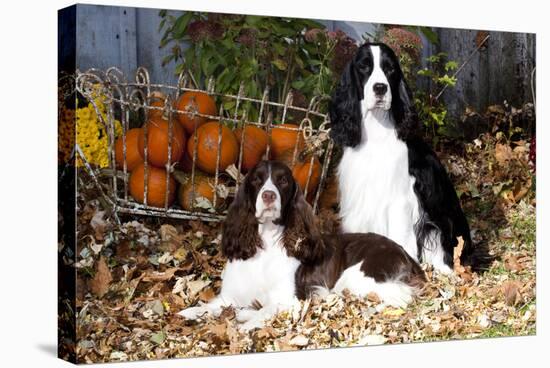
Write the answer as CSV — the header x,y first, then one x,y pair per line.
x,y
124,96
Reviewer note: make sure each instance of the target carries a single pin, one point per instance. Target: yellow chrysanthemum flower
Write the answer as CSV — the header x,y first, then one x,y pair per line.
x,y
92,136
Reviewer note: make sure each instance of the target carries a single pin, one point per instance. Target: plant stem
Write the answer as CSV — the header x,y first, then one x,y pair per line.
x,y
463,65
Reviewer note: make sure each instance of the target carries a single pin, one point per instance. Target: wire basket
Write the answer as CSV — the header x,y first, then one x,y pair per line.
x,y
125,99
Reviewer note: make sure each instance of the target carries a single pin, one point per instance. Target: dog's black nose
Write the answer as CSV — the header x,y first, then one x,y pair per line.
x,y
269,196
380,88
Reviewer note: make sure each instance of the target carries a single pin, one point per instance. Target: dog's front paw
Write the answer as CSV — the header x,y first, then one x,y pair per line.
x,y
245,314
251,324
193,312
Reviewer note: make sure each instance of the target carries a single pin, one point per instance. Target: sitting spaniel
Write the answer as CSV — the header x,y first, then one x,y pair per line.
x,y
391,182
276,254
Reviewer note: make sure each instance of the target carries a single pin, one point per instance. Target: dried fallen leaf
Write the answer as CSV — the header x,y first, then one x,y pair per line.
x,y
96,247
234,337
196,285
99,224
158,338
393,312
372,340
503,153
299,340
118,356
265,332
181,253
157,307
373,297
168,232
165,258
511,264
457,252
219,330
511,291
180,284
154,276
207,294
483,321
99,285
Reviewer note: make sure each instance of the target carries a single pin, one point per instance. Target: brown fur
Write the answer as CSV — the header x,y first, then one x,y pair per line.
x,y
382,259
323,257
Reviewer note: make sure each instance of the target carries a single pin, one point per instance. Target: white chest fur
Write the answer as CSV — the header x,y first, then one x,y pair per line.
x,y
376,190
267,277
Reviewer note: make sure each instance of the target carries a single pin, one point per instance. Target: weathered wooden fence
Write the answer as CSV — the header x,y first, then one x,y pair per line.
x,y
130,37
501,70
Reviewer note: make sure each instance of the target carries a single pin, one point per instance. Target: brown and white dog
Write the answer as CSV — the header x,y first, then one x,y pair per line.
x,y
276,254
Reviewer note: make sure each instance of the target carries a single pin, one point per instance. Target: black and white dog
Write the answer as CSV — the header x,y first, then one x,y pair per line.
x,y
276,254
390,181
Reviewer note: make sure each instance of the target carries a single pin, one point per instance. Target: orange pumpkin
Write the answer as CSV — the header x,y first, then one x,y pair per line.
x,y
283,139
186,163
157,142
194,101
156,99
254,147
204,187
156,186
207,147
300,172
133,156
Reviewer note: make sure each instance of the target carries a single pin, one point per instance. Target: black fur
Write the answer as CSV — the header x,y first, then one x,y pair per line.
x,y
433,187
441,207
345,106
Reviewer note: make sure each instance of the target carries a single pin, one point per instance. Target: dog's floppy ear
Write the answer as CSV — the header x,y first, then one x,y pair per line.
x,y
345,108
302,237
240,237
404,112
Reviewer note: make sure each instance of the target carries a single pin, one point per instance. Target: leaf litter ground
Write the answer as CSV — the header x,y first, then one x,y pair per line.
x,y
132,279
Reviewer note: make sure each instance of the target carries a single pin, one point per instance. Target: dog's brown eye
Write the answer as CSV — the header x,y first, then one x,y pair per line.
x,y
256,180
283,180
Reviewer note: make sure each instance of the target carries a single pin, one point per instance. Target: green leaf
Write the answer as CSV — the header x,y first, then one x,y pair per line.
x,y
314,62
451,65
181,24
227,43
179,69
162,13
439,118
298,84
189,56
433,58
167,59
425,72
161,25
205,59
430,34
158,338
451,81
253,19
473,190
280,64
279,48
228,105
165,39
312,24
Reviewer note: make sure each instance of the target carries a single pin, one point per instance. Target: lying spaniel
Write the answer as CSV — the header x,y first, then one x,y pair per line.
x,y
276,254
390,181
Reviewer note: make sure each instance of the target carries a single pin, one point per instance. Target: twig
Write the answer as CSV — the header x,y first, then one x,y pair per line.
x,y
463,65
